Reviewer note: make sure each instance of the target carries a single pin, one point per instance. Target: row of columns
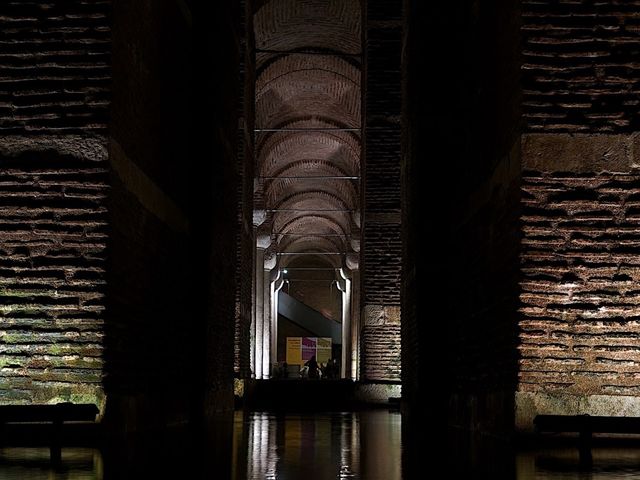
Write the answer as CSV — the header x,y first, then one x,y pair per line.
x,y
267,283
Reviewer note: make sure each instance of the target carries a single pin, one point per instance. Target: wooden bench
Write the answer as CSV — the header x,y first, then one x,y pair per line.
x,y
586,426
56,414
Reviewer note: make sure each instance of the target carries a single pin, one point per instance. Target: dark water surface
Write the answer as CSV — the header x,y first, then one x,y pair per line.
x,y
363,445
33,464
354,445
564,463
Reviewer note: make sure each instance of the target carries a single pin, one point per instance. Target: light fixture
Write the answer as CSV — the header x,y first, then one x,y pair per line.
x,y
285,271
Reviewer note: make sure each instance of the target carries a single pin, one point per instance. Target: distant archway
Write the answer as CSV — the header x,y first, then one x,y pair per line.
x,y
307,156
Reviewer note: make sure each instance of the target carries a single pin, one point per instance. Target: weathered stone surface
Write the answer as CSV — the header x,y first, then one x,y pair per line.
x,y
53,234
377,393
381,315
580,306
55,59
530,404
380,342
581,153
580,66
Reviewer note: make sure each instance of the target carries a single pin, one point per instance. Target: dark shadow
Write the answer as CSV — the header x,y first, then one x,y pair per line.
x,y
461,123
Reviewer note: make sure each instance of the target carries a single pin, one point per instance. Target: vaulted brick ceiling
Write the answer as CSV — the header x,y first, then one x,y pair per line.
x,y
308,117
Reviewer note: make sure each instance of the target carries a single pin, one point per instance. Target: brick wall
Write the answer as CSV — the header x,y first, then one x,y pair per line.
x,y
579,267
54,58
53,229
54,99
579,185
580,66
245,165
381,236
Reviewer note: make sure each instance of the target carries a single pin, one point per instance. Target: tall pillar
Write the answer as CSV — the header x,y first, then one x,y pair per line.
x,y
355,324
261,325
344,284
258,313
381,257
269,263
276,285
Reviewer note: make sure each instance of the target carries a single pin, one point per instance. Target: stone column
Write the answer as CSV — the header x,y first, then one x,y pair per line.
x,y
343,288
258,313
276,285
381,256
355,324
270,261
344,285
261,282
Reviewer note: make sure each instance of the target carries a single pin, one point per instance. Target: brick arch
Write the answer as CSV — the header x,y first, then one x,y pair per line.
x,y
334,261
314,93
277,190
313,200
285,222
311,244
291,189
309,167
331,262
328,24
282,150
313,223
291,63
266,140
311,261
315,229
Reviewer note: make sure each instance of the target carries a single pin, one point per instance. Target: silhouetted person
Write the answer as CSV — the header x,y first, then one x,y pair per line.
x,y
331,370
313,367
285,370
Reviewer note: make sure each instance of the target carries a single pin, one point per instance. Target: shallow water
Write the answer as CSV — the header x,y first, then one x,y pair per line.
x,y
564,464
352,445
33,464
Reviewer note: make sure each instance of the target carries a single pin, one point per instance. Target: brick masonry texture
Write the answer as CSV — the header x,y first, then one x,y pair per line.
x,y
579,315
382,264
380,343
54,64
580,65
54,101
382,241
244,229
53,231
580,301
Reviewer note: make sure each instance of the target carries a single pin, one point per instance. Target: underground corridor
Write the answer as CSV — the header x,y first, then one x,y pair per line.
x,y
213,214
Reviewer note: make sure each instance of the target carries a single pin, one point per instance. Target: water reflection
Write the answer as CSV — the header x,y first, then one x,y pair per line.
x,y
564,463
354,445
34,464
